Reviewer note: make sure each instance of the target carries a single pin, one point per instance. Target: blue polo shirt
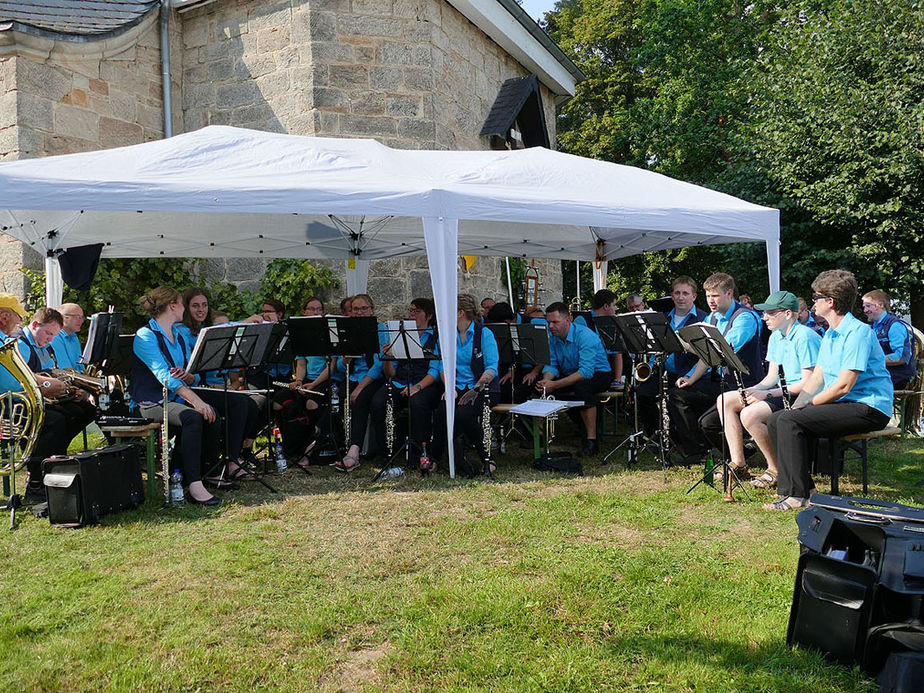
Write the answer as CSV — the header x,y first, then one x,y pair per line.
x,y
694,316
465,377
853,346
796,350
212,377
44,353
581,351
7,382
68,351
147,350
745,327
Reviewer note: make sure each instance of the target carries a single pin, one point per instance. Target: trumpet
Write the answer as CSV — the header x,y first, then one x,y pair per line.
x,y
642,371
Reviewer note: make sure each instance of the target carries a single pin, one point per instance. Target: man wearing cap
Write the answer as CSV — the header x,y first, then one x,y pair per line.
x,y
11,315
792,352
67,344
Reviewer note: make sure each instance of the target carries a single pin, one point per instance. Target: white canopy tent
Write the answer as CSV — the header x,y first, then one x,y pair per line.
x,y
228,192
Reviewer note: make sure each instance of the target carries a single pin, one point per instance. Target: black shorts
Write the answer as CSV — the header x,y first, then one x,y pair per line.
x,y
775,404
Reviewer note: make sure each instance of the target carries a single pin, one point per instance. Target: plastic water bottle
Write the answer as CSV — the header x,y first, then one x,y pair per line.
x,y
392,473
502,443
103,400
176,488
424,457
334,398
281,464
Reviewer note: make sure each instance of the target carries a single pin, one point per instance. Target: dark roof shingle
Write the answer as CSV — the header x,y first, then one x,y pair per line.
x,y
74,20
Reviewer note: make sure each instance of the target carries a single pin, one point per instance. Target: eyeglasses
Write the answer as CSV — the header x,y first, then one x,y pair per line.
x,y
415,310
773,312
815,297
362,309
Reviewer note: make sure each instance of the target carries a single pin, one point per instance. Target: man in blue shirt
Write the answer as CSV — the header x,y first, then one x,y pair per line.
x,y
848,392
67,343
579,369
894,335
792,350
695,394
603,304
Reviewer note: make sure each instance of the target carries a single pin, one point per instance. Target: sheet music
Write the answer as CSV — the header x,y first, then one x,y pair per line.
x,y
413,349
543,407
91,339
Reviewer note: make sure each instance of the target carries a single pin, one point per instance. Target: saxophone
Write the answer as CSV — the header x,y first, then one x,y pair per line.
x,y
23,412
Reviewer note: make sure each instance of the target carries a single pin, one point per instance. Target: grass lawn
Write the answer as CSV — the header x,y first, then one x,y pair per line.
x,y
613,581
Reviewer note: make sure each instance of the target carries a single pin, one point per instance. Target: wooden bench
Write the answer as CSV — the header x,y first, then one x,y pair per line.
x,y
149,433
838,447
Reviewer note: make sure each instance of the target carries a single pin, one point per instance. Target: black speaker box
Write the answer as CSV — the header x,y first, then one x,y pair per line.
x,y
82,488
859,593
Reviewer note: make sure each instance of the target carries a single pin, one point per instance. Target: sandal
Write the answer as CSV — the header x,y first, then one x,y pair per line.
x,y
342,466
741,471
238,474
765,480
788,503
305,460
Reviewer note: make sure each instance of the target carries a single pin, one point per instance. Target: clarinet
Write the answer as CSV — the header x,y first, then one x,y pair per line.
x,y
785,390
165,448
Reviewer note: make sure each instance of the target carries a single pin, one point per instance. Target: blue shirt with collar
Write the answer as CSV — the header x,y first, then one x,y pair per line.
x,y
7,382
694,316
212,377
465,377
581,351
68,351
853,346
45,354
147,350
795,350
742,331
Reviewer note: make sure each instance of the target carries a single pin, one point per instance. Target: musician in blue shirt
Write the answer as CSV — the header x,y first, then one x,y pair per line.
x,y
579,369
67,344
894,335
696,393
848,392
476,367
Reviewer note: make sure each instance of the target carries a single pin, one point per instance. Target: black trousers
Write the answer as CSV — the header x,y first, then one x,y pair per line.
x,y
468,429
792,431
416,427
685,406
587,390
359,412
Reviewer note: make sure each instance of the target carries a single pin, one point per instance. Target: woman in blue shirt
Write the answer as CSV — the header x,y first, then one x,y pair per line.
x,y
848,392
476,367
161,353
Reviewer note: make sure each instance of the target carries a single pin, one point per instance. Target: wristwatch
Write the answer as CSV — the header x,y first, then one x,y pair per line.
x,y
46,384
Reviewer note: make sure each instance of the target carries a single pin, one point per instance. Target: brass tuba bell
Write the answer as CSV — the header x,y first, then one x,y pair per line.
x,y
22,412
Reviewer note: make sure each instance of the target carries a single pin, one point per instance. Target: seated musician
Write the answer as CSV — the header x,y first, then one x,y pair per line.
x,y
53,437
476,367
507,390
578,370
807,318
849,391
346,305
366,377
415,386
161,352
67,344
894,335
635,303
696,393
487,303
604,303
792,347
198,314
685,312
263,376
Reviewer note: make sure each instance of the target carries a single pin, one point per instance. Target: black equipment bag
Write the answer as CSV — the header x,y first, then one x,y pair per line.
x,y
82,488
559,462
859,593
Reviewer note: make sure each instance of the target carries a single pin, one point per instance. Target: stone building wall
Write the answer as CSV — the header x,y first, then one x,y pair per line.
x,y
412,74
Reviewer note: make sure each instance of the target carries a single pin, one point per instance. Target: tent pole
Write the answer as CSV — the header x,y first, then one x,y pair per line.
x,y
577,279
509,282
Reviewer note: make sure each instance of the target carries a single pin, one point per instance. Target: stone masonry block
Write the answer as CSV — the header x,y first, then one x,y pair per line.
x,y
385,78
402,105
98,86
234,95
409,9
220,70
402,53
331,99
273,39
70,121
417,129
195,33
357,25
364,54
45,80
34,111
324,52
349,76
374,7
266,15
198,95
259,113
274,84
322,26
418,79
118,133
368,126
253,66
367,103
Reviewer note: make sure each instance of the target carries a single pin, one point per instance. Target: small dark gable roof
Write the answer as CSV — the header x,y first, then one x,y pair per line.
x,y
74,20
519,99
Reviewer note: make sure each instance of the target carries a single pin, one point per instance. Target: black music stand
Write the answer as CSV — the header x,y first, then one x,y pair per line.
x,y
708,343
231,347
102,338
645,334
404,343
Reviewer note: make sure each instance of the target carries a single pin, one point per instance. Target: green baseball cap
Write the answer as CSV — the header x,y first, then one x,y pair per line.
x,y
782,300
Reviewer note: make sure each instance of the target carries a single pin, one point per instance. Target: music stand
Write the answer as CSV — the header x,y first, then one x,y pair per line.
x,y
647,333
102,338
403,343
231,347
708,343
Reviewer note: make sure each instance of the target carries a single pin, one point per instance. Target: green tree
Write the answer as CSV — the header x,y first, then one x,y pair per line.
x,y
839,128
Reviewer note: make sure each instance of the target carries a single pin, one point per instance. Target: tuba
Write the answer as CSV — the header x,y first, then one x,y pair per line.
x,y
22,412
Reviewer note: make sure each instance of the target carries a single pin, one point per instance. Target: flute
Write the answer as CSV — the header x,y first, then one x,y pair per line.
x,y
301,388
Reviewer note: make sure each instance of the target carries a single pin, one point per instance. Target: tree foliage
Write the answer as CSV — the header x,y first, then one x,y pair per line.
x,y
813,108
